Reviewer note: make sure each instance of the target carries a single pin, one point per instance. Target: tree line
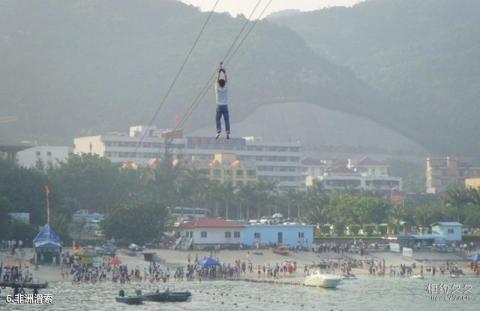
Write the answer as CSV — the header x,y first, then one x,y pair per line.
x,y
135,201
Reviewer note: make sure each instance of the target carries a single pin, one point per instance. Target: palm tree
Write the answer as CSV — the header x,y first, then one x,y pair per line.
x,y
266,192
228,197
192,187
314,203
213,196
246,196
458,198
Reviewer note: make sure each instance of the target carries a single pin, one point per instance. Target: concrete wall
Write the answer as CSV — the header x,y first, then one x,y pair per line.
x,y
89,144
47,154
442,230
269,235
214,235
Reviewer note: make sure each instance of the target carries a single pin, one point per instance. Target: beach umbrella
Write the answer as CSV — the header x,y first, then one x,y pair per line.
x,y
115,261
476,258
208,262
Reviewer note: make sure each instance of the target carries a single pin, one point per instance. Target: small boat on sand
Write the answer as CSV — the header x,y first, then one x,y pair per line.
x,y
349,276
417,276
168,296
129,300
280,250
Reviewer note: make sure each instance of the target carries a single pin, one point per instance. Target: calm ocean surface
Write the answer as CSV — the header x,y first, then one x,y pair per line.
x,y
362,294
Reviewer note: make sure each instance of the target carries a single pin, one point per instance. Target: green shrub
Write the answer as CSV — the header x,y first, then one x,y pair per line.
x,y
382,229
354,229
325,229
339,229
368,229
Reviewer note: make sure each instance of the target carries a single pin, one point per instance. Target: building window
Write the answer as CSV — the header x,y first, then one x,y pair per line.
x,y
49,154
203,234
236,234
301,235
256,235
37,153
228,172
251,173
204,172
239,173
228,234
450,231
217,172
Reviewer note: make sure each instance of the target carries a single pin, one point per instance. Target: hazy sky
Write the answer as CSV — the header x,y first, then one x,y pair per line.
x,y
245,6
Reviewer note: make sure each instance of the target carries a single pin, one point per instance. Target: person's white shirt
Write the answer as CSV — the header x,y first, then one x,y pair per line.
x,y
221,94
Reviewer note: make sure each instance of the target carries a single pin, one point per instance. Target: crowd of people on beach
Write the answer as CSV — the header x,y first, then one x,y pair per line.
x,y
12,246
15,273
234,271
105,269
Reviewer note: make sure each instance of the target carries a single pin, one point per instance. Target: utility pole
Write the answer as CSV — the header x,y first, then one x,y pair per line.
x,y
47,197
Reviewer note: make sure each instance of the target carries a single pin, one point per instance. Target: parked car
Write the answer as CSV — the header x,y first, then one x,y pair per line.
x,y
135,248
107,249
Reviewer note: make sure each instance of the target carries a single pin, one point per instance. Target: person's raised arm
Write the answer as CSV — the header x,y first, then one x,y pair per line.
x,y
225,74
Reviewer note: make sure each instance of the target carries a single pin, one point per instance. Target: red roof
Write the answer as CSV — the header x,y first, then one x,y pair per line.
x,y
210,223
340,162
310,161
342,170
367,161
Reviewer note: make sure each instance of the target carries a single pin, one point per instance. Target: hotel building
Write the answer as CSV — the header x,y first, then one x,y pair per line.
x,y
276,161
365,174
445,171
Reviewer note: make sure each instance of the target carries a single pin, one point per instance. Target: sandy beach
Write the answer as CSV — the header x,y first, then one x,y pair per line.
x,y
175,258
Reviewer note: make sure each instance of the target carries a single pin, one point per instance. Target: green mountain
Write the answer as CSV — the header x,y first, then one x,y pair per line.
x,y
423,56
72,68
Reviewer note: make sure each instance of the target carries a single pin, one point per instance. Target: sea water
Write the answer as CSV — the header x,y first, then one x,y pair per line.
x,y
366,293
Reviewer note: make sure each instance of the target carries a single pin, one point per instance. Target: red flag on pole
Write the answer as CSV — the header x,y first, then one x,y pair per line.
x,y
178,120
47,189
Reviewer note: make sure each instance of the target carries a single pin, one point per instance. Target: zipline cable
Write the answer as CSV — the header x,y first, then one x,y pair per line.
x,y
227,59
179,72
248,33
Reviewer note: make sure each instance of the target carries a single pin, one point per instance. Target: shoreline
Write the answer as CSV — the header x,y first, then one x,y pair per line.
x,y
176,258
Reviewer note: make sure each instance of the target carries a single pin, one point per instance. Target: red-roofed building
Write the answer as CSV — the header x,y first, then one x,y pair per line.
x,y
314,167
211,232
370,167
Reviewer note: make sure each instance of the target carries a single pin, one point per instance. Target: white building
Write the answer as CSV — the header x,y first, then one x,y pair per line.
x,y
47,155
365,174
277,161
204,232
342,182
450,231
315,167
369,167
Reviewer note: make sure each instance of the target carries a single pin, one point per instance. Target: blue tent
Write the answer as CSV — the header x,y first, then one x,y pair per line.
x,y
46,234
208,262
476,258
48,246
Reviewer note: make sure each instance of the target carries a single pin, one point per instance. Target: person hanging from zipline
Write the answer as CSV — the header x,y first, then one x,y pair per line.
x,y
221,96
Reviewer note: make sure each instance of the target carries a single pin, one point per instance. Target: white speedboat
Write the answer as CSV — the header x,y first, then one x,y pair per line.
x,y
417,276
319,279
349,276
